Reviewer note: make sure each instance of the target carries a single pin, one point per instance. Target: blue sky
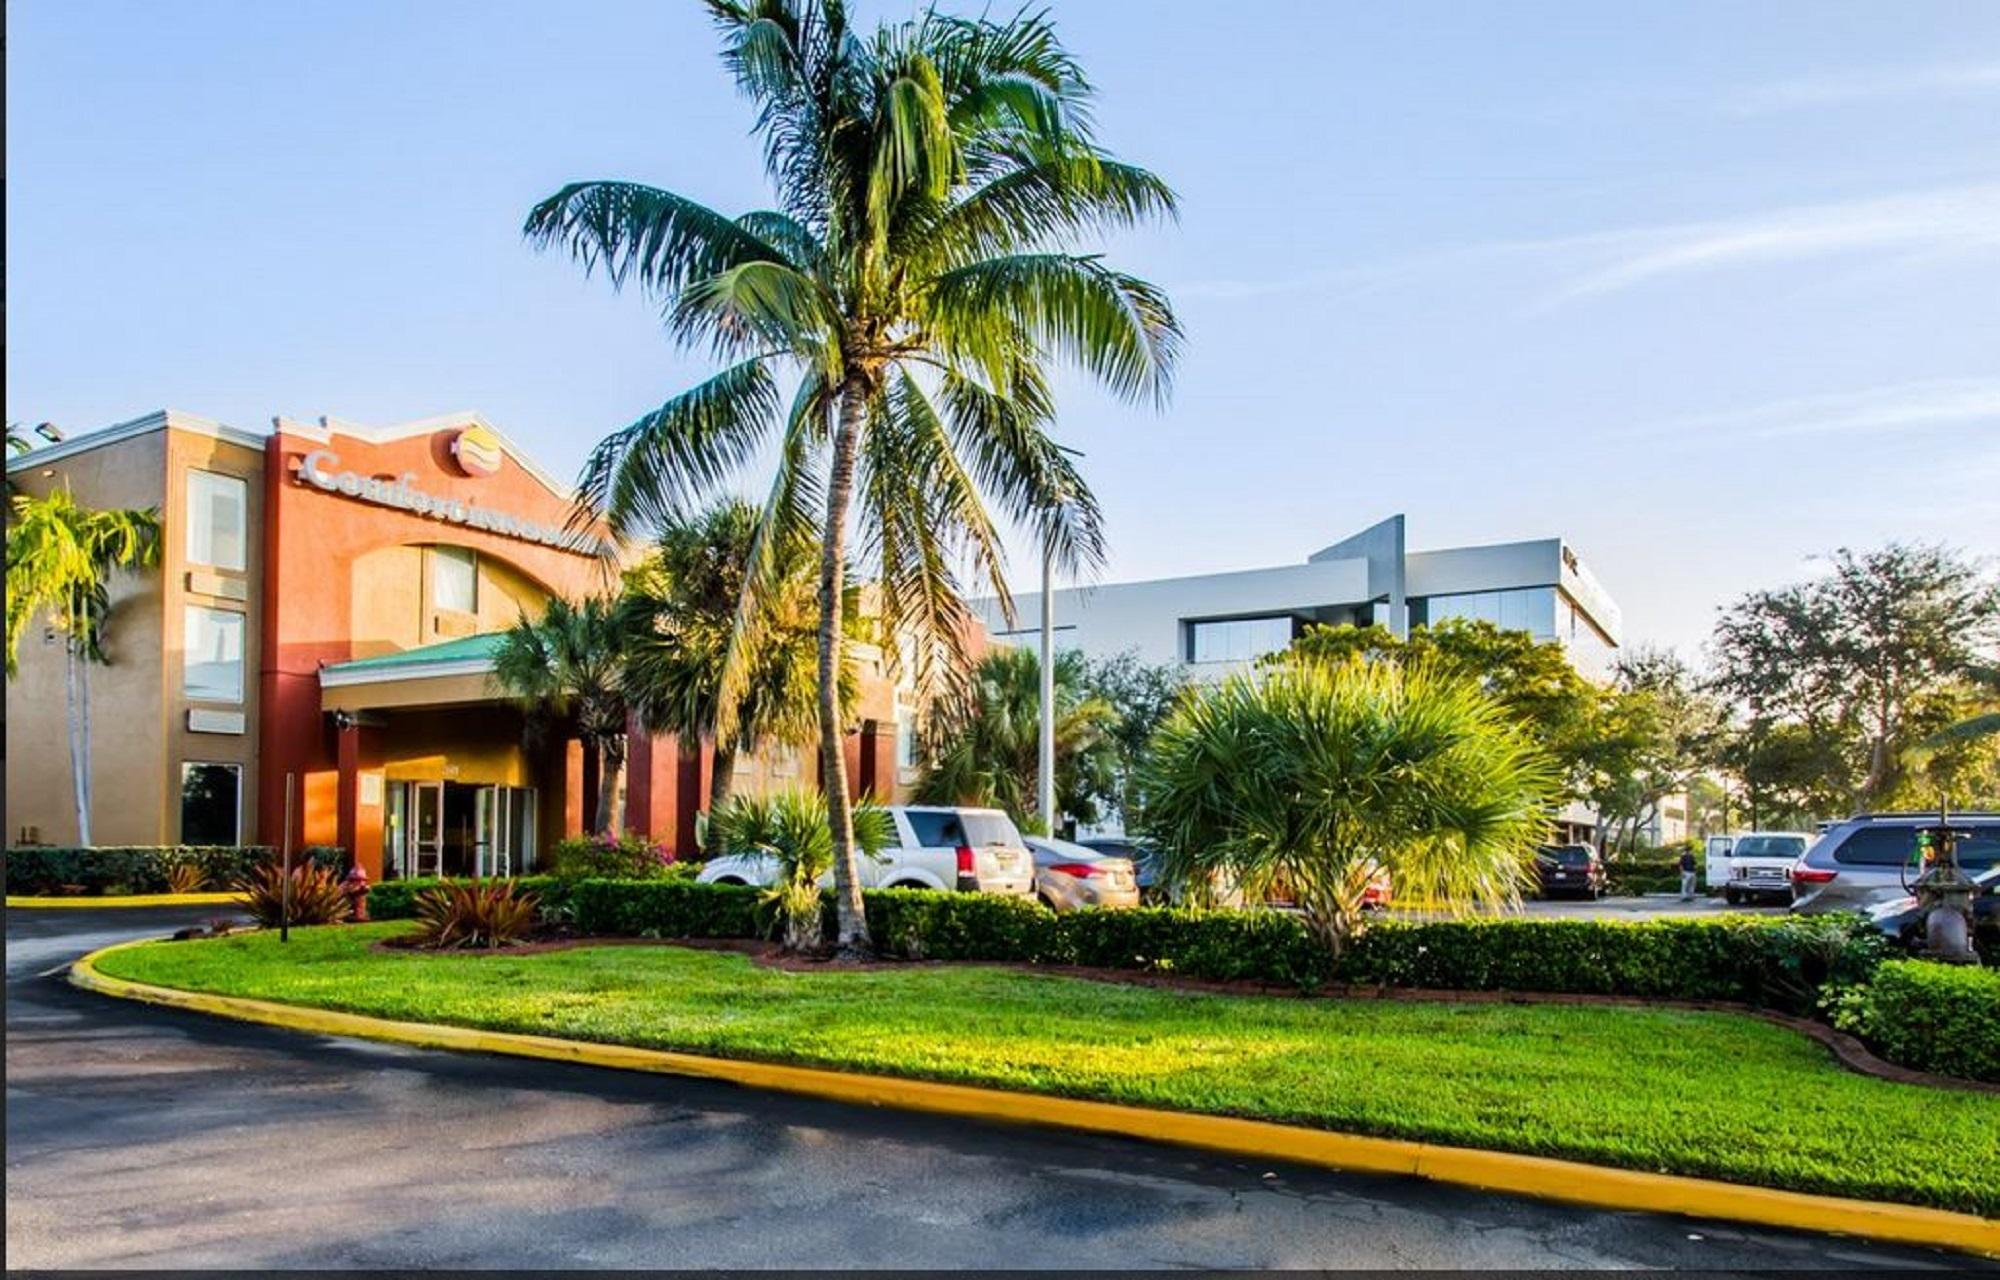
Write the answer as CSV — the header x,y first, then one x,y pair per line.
x,y
1705,288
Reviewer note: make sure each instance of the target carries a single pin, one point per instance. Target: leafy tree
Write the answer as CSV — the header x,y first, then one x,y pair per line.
x,y
991,740
1318,773
1140,695
1984,681
1532,680
62,559
568,667
1659,731
1847,672
916,278
680,608
792,828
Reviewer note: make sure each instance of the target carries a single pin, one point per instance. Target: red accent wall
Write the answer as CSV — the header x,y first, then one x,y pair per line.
x,y
312,539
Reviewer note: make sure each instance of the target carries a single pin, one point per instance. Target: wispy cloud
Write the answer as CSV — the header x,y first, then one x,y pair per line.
x,y
1930,405
1841,88
1946,222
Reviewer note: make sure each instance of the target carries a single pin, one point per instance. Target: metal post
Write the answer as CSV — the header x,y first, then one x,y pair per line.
x,y
1047,770
285,866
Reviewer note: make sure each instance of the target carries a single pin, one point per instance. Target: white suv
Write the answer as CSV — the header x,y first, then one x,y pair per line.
x,y
978,850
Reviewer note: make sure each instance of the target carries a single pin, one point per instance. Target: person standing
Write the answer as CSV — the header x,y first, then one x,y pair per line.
x,y
1687,873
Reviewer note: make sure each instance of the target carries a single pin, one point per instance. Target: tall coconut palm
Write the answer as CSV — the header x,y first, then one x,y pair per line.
x,y
917,280
1317,774
568,667
681,605
62,558
986,749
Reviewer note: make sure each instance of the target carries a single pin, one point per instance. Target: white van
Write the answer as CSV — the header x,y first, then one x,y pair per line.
x,y
937,847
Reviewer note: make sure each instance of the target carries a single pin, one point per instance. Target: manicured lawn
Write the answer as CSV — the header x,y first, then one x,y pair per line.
x,y
1715,1094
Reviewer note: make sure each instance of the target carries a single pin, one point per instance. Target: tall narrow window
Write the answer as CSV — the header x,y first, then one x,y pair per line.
x,y
211,808
214,655
217,515
454,579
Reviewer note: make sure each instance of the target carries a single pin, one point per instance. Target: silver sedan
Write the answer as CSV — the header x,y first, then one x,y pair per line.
x,y
1069,876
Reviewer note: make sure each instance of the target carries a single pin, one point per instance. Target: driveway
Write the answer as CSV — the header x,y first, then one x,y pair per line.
x,y
148,1137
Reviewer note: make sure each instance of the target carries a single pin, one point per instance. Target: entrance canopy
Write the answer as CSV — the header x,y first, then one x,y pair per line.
x,y
450,673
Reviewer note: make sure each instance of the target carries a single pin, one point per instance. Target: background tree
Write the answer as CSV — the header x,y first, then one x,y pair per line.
x,y
680,607
918,281
1140,695
1316,773
1848,671
567,668
1658,732
62,559
990,752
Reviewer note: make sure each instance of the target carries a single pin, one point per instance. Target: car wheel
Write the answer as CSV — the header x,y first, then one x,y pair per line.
x,y
733,880
1732,897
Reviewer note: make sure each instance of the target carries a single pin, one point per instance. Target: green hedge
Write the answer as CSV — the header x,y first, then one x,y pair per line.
x,y
1782,963
1929,1017
397,899
117,869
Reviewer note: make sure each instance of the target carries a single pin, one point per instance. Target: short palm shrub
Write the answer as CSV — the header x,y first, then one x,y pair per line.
x,y
1316,775
315,896
482,913
186,877
792,827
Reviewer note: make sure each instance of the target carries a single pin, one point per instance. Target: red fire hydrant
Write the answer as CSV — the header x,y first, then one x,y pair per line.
x,y
355,886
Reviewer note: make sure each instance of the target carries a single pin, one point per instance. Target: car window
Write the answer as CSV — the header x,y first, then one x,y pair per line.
x,y
950,829
934,829
1770,846
990,828
1895,846
1569,855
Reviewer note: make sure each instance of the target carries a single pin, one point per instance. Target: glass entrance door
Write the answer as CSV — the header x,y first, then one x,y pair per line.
x,y
427,832
492,832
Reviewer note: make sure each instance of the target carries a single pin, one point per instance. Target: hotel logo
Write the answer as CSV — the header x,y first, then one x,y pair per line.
x,y
477,451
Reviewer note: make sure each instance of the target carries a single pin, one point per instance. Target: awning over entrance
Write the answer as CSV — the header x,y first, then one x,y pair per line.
x,y
450,673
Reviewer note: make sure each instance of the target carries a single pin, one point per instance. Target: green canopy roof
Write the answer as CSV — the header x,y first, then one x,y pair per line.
x,y
464,649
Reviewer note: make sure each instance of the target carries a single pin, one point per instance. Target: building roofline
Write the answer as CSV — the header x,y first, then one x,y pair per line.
x,y
132,429
330,426
334,677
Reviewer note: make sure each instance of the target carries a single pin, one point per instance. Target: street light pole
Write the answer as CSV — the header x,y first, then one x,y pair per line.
x,y
1046,773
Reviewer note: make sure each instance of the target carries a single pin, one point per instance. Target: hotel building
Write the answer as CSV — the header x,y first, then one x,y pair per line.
x,y
325,611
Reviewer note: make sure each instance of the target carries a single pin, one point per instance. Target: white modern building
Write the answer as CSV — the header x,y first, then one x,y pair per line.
x,y
1220,622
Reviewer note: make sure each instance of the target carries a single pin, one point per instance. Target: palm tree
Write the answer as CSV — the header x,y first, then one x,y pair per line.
x,y
915,279
792,828
681,602
62,558
568,667
1315,775
988,747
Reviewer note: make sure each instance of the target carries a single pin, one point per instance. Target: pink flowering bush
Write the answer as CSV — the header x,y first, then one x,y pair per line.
x,y
627,857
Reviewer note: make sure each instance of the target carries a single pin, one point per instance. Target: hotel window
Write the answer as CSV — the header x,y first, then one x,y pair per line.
x,y
454,579
214,655
1237,640
211,803
217,514
1531,609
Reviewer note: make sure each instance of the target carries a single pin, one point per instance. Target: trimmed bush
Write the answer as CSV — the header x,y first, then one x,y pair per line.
x,y
397,899
1928,1017
925,924
1214,946
667,908
117,869
601,857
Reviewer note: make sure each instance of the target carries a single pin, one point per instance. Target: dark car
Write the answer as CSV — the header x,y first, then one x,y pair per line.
x,y
1569,869
1899,918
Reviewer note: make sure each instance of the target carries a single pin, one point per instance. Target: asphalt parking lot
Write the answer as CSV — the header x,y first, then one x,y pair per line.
x,y
144,1137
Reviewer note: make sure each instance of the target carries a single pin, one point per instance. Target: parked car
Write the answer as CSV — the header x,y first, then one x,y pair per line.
x,y
1898,918
937,847
1872,858
1068,876
1144,867
1760,866
1569,868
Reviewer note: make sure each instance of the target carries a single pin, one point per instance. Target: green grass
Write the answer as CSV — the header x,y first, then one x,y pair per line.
x,y
1714,1094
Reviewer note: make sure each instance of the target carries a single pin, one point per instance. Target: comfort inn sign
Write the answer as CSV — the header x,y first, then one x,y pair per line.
x,y
319,469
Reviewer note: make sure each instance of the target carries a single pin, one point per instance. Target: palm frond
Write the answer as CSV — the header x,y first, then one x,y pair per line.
x,y
643,235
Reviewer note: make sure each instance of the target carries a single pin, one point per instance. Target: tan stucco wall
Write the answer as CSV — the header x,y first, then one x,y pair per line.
x,y
128,729
392,608
187,450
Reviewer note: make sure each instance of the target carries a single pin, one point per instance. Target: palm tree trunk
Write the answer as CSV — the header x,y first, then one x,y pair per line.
x,y
851,938
608,806
79,757
721,781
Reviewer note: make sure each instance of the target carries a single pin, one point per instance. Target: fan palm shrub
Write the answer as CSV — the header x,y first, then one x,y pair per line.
x,y
918,281
986,746
792,827
1315,775
485,914
681,605
315,896
567,668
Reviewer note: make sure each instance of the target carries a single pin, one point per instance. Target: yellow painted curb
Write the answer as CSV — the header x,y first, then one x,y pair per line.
x,y
1539,1176
129,900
